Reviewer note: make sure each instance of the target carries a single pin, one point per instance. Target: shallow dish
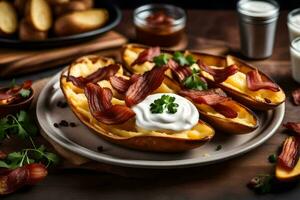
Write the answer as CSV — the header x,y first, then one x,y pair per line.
x,y
114,19
83,142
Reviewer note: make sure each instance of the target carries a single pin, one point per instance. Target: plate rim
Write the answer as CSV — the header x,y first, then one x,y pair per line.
x,y
277,118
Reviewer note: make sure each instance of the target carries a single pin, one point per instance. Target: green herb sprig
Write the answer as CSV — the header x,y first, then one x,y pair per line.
x,y
24,128
183,60
21,124
28,156
166,102
194,81
161,60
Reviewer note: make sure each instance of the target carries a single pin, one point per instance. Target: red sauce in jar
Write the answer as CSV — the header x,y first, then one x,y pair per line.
x,y
159,30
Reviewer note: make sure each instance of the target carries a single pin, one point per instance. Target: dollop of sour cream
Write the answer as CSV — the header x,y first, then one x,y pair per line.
x,y
185,118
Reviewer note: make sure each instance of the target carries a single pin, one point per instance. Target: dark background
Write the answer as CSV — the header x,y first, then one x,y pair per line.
x,y
201,4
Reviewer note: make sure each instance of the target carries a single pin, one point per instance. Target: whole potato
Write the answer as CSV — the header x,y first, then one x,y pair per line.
x,y
80,21
28,33
69,7
8,19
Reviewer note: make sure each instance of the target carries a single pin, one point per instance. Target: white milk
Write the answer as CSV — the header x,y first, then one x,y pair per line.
x,y
258,8
294,24
295,59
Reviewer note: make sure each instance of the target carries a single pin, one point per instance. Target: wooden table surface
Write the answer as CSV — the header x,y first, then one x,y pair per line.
x,y
221,181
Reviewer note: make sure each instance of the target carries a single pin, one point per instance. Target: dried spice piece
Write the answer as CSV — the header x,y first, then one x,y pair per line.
x,y
64,123
296,97
62,104
293,126
290,153
100,148
72,124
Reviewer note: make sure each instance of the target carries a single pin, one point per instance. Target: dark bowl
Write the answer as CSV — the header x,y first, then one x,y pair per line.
x,y
16,107
114,19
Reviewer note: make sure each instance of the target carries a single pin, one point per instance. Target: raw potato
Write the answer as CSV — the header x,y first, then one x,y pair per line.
x,y
28,33
69,7
8,18
80,21
39,14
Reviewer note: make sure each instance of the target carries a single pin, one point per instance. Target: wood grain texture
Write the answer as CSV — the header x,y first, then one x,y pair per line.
x,y
226,180
13,62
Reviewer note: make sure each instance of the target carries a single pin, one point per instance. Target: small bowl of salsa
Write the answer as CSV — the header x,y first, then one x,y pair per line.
x,y
159,24
15,98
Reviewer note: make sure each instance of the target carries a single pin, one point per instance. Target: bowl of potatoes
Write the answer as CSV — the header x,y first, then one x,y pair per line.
x,y
53,23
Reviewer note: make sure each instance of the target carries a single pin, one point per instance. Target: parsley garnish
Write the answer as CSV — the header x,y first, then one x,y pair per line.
x,y
183,60
194,81
262,183
24,127
272,158
21,124
166,102
24,93
28,156
161,60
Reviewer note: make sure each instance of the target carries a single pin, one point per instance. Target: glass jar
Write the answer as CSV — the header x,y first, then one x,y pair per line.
x,y
293,23
159,24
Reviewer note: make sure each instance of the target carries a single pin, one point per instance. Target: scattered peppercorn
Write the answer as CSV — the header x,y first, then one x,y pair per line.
x,y
219,147
64,123
100,148
72,124
56,125
62,104
272,158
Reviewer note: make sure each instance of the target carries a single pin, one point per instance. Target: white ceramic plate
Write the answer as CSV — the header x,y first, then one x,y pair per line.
x,y
82,141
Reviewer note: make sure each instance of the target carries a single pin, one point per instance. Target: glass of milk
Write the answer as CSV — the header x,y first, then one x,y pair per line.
x,y
295,58
294,24
257,22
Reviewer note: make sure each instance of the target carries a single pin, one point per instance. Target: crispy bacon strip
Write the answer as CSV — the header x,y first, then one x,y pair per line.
x,y
146,55
180,73
99,101
145,85
293,126
121,84
12,94
290,153
296,97
214,98
255,82
220,75
12,180
101,74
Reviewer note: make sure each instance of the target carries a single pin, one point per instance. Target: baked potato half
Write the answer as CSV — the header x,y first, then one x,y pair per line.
x,y
236,85
126,134
245,122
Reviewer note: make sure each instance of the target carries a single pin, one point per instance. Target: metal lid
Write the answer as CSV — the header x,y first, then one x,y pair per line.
x,y
258,10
